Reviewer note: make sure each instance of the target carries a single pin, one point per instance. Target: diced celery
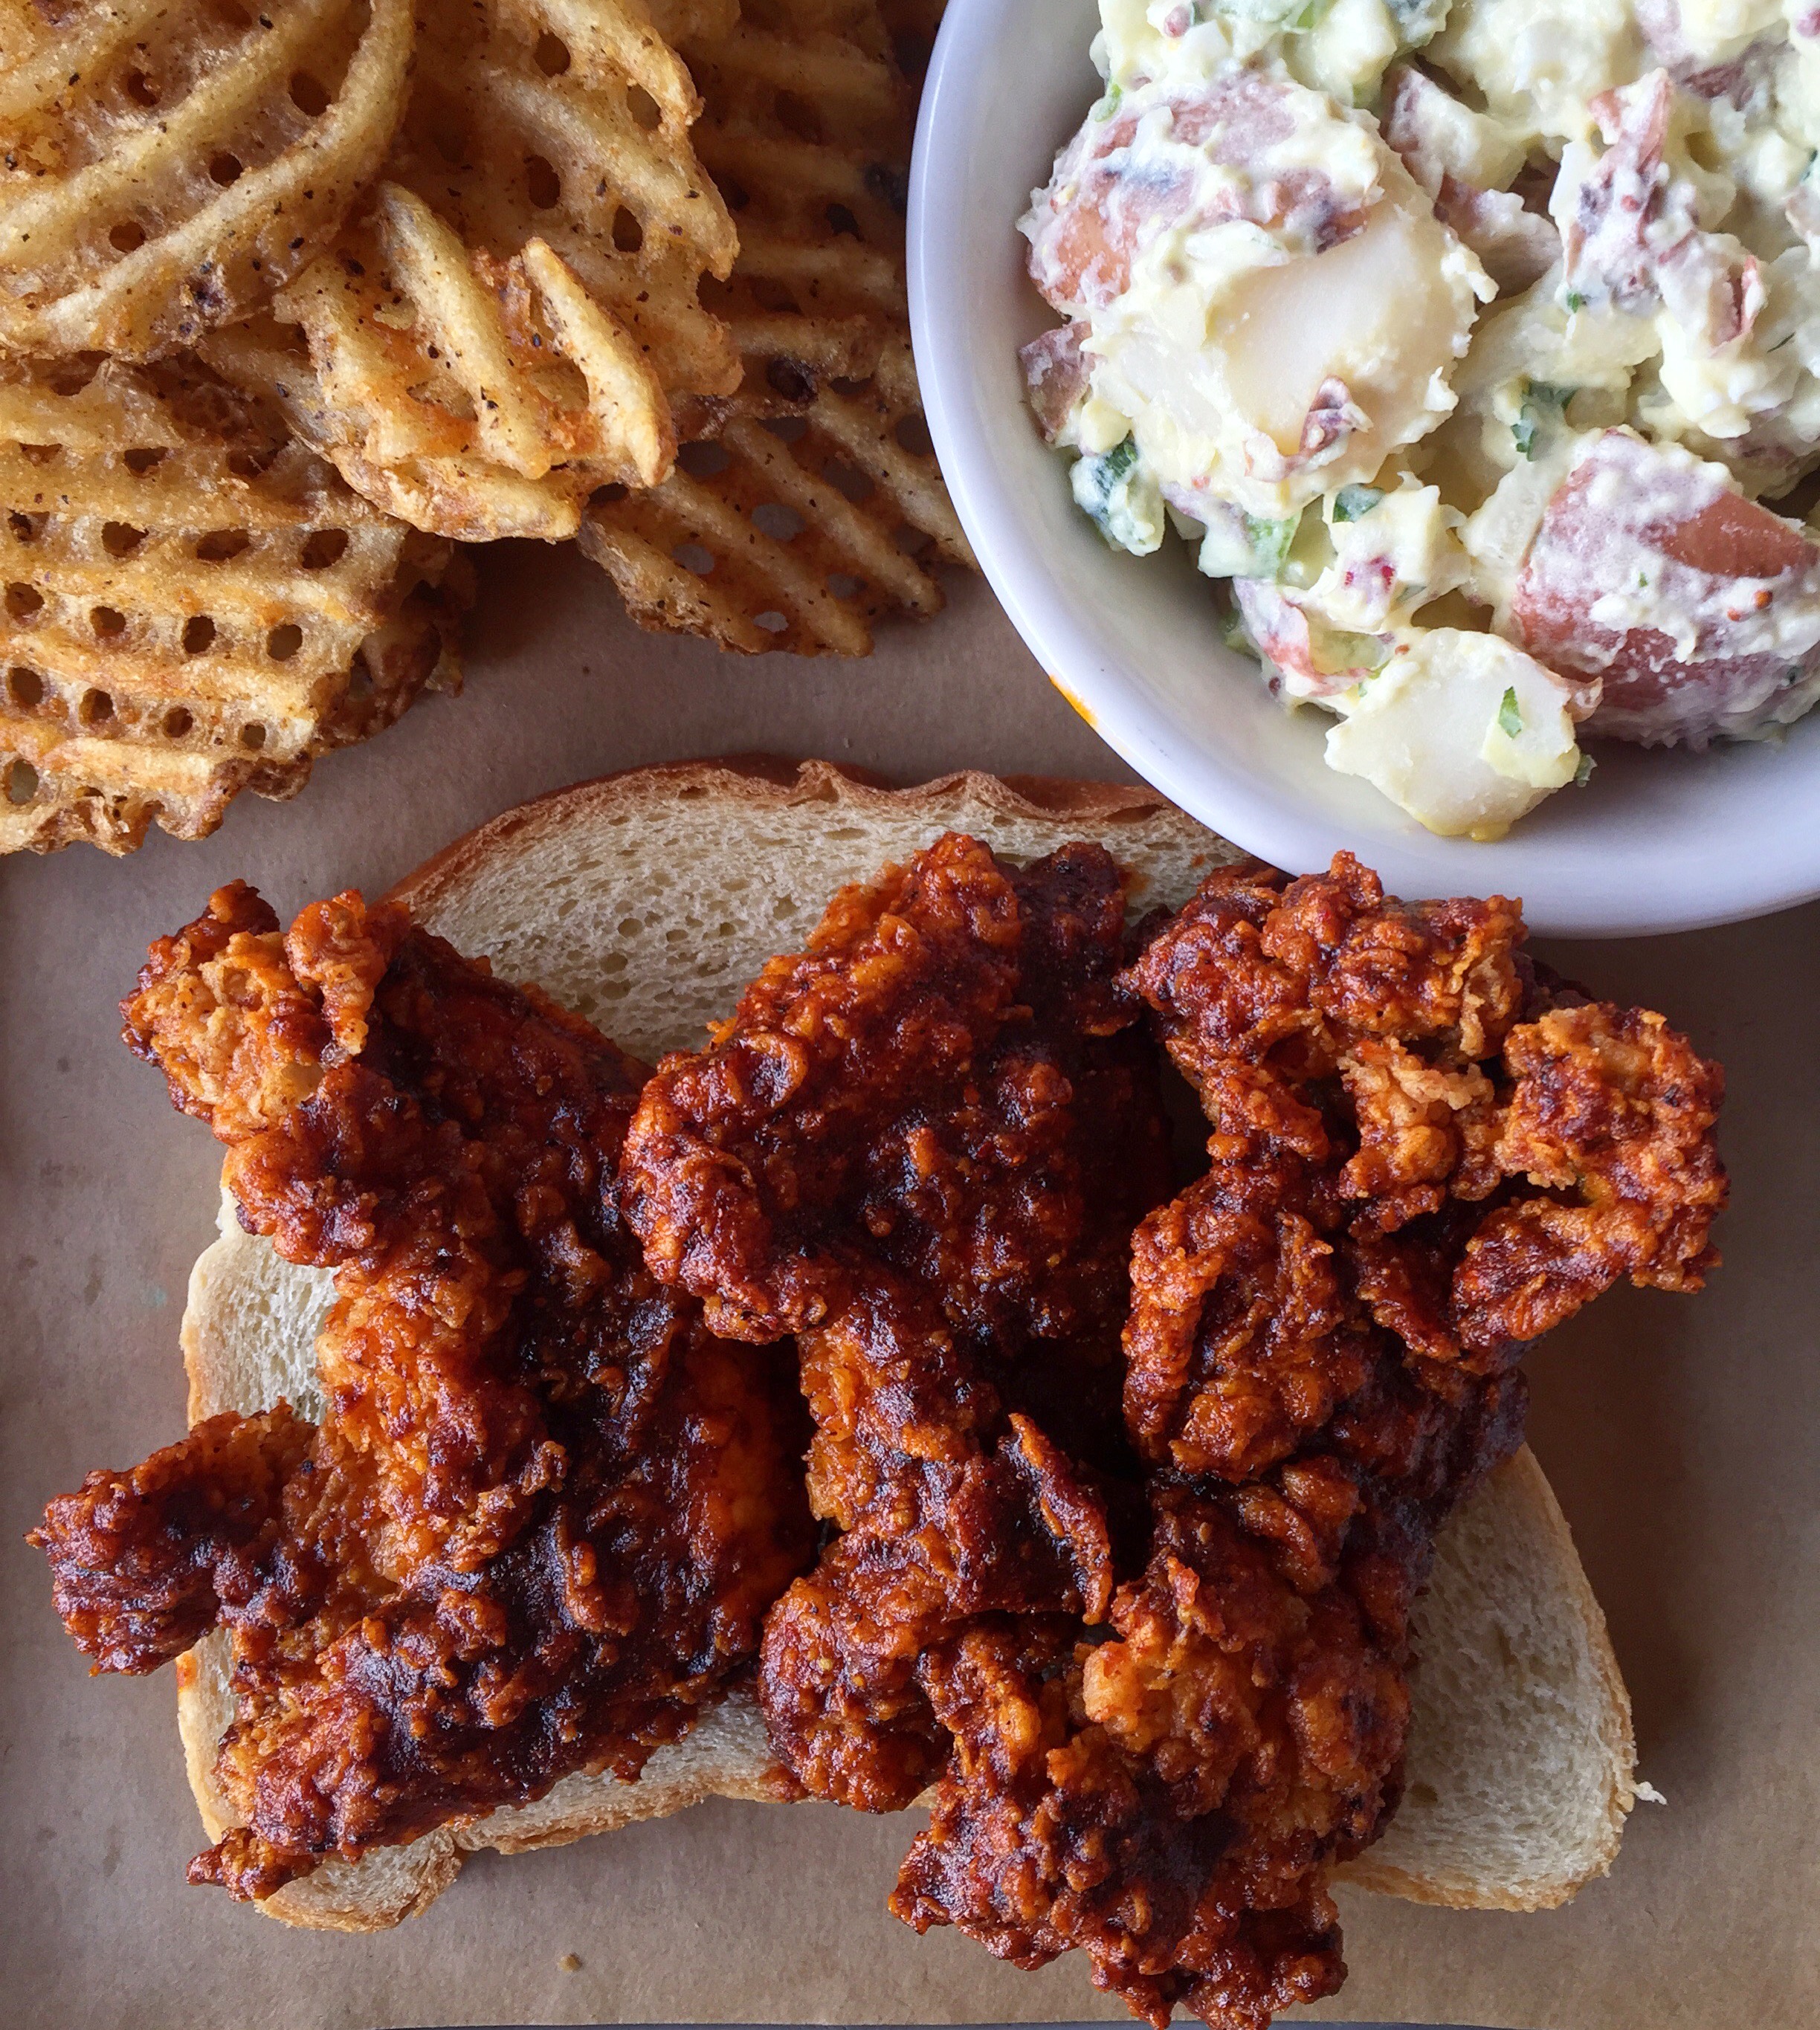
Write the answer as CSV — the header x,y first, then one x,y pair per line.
x,y
1336,652
1270,543
1241,545
1353,503
1121,496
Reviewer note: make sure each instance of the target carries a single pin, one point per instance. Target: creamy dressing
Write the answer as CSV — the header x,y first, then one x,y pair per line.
x,y
1528,328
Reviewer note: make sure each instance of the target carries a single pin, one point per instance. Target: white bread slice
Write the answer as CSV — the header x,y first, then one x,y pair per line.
x,y
645,901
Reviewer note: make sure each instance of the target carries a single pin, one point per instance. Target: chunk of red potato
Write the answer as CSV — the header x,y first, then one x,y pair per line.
x,y
1464,159
1273,305
1102,205
1057,375
1462,731
1700,608
1630,225
1715,52
1311,661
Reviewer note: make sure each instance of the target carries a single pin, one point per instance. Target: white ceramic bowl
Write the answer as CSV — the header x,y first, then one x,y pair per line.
x,y
1658,840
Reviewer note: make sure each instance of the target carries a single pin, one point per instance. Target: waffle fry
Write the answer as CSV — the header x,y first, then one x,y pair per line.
x,y
913,26
806,128
796,531
193,605
808,506
503,332
162,165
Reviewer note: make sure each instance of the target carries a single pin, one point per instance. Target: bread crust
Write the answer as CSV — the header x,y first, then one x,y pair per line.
x,y
239,1293
758,780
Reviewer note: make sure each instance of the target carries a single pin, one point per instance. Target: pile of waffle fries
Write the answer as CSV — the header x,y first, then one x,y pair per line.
x,y
293,302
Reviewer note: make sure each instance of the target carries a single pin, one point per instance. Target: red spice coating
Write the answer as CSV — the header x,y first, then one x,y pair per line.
x,y
545,1508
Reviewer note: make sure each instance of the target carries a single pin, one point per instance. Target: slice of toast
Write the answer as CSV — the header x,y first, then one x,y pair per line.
x,y
645,901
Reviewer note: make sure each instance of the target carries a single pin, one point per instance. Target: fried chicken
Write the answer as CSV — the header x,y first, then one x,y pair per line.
x,y
1153,1736
546,1508
1409,1136
1127,1499
922,1145
924,1089
1417,1162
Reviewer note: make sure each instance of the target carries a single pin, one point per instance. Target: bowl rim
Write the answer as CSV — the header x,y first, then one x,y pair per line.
x,y
1213,784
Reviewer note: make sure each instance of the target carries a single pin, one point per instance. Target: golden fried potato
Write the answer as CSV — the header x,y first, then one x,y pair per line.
x,y
913,26
165,163
503,330
193,604
808,505
791,531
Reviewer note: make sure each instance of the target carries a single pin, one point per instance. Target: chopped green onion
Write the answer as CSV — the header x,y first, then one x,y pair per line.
x,y
1538,396
1353,503
1270,544
1582,775
1575,300
1509,718
1109,105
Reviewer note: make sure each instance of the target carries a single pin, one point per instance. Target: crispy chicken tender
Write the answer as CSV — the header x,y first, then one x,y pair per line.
x,y
1416,1162
1170,1800
546,1509
922,1144
1085,1808
918,1087
216,1501
1407,1135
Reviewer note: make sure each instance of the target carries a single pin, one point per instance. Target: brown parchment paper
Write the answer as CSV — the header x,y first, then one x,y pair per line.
x,y
1683,1435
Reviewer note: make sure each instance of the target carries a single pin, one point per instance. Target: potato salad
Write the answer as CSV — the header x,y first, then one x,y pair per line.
x,y
1475,349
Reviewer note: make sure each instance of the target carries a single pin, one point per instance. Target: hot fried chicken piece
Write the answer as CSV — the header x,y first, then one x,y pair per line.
x,y
1088,1805
921,1144
1407,1135
141,1560
546,1509
920,1088
1319,1363
1171,1800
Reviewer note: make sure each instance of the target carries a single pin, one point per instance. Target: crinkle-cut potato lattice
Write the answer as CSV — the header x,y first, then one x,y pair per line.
x,y
796,531
503,329
805,127
913,26
808,505
163,163
194,604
